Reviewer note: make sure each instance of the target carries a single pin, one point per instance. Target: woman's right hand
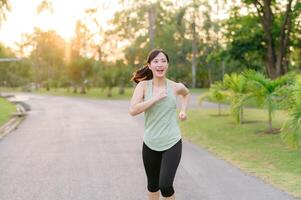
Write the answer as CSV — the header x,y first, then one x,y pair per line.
x,y
160,95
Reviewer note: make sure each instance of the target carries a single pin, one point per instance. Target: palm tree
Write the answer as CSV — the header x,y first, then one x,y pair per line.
x,y
216,93
290,129
267,91
237,85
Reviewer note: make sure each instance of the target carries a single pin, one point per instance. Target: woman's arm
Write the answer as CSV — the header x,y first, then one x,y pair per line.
x,y
183,92
137,105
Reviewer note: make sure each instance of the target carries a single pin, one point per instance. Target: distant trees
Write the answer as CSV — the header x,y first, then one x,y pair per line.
x,y
259,35
47,57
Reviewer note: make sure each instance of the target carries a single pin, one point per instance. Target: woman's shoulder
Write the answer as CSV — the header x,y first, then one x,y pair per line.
x,y
142,83
174,84
177,86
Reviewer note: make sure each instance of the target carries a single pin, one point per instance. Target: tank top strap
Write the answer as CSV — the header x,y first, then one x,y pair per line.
x,y
149,88
168,86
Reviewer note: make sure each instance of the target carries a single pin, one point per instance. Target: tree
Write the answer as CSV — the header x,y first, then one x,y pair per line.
x,y
290,131
276,43
80,70
216,93
244,42
110,78
266,91
237,85
47,56
13,74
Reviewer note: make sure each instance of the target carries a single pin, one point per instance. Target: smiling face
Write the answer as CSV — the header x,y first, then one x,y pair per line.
x,y
159,65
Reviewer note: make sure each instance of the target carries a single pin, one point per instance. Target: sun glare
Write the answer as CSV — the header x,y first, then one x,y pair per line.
x,y
23,17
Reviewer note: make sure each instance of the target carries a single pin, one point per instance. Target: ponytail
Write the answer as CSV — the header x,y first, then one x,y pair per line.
x,y
141,74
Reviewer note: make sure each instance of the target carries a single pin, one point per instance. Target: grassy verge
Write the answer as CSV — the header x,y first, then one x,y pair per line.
x,y
262,155
97,93
6,110
249,103
198,90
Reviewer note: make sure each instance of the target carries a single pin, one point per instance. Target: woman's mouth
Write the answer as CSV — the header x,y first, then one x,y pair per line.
x,y
160,71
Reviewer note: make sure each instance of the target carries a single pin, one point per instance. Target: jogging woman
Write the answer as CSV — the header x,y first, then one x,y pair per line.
x,y
155,95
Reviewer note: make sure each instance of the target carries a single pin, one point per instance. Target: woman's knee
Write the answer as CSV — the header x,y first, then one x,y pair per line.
x,y
153,187
167,191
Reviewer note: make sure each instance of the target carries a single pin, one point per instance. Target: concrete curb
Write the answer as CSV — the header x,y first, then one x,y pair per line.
x,y
14,122
11,125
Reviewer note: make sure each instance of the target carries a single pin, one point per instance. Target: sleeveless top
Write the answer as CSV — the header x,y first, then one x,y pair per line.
x,y
161,129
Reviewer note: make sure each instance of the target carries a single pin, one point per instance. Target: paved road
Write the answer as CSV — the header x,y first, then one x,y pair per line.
x,y
79,149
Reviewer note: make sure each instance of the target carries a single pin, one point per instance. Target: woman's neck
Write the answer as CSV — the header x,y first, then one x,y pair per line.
x,y
159,82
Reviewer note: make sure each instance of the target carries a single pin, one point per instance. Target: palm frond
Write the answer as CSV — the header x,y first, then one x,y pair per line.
x,y
235,82
203,96
289,134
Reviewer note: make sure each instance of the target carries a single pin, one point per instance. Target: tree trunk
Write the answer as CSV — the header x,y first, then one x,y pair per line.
x,y
270,116
241,114
152,25
109,92
209,76
267,22
223,69
194,50
281,63
74,89
83,89
121,88
276,64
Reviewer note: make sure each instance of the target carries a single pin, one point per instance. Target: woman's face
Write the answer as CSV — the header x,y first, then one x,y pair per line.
x,y
159,65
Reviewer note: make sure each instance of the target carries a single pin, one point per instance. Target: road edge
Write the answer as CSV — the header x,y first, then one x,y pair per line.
x,y
14,122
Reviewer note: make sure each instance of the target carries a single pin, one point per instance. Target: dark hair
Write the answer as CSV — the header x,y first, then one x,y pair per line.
x,y
144,73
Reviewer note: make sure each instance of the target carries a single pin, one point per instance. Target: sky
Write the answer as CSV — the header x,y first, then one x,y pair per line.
x,y
23,17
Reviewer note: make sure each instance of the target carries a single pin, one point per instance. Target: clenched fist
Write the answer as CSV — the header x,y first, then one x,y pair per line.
x,y
182,116
160,95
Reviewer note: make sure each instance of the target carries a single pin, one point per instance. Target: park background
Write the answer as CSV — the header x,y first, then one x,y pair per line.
x,y
246,54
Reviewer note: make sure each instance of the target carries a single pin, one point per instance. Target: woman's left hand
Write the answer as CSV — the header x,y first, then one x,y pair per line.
x,y
182,116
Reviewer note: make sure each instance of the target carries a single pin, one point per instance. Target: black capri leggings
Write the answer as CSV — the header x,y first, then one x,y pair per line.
x,y
161,167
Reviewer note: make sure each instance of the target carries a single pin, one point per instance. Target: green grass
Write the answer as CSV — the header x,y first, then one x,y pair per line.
x,y
260,154
249,103
198,90
6,110
97,93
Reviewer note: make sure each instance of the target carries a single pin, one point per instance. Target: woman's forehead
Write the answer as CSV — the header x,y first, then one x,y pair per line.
x,y
160,56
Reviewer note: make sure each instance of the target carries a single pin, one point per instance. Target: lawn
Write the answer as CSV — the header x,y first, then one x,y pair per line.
x,y
6,110
97,93
260,154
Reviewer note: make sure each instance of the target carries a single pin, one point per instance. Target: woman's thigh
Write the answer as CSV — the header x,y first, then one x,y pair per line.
x,y
169,164
152,164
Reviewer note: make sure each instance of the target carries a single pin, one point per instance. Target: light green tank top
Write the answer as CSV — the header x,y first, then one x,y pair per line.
x,y
161,129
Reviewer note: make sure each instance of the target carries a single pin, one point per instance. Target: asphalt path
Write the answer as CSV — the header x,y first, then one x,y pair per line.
x,y
82,149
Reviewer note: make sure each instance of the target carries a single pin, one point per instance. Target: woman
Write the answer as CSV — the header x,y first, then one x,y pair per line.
x,y
155,95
